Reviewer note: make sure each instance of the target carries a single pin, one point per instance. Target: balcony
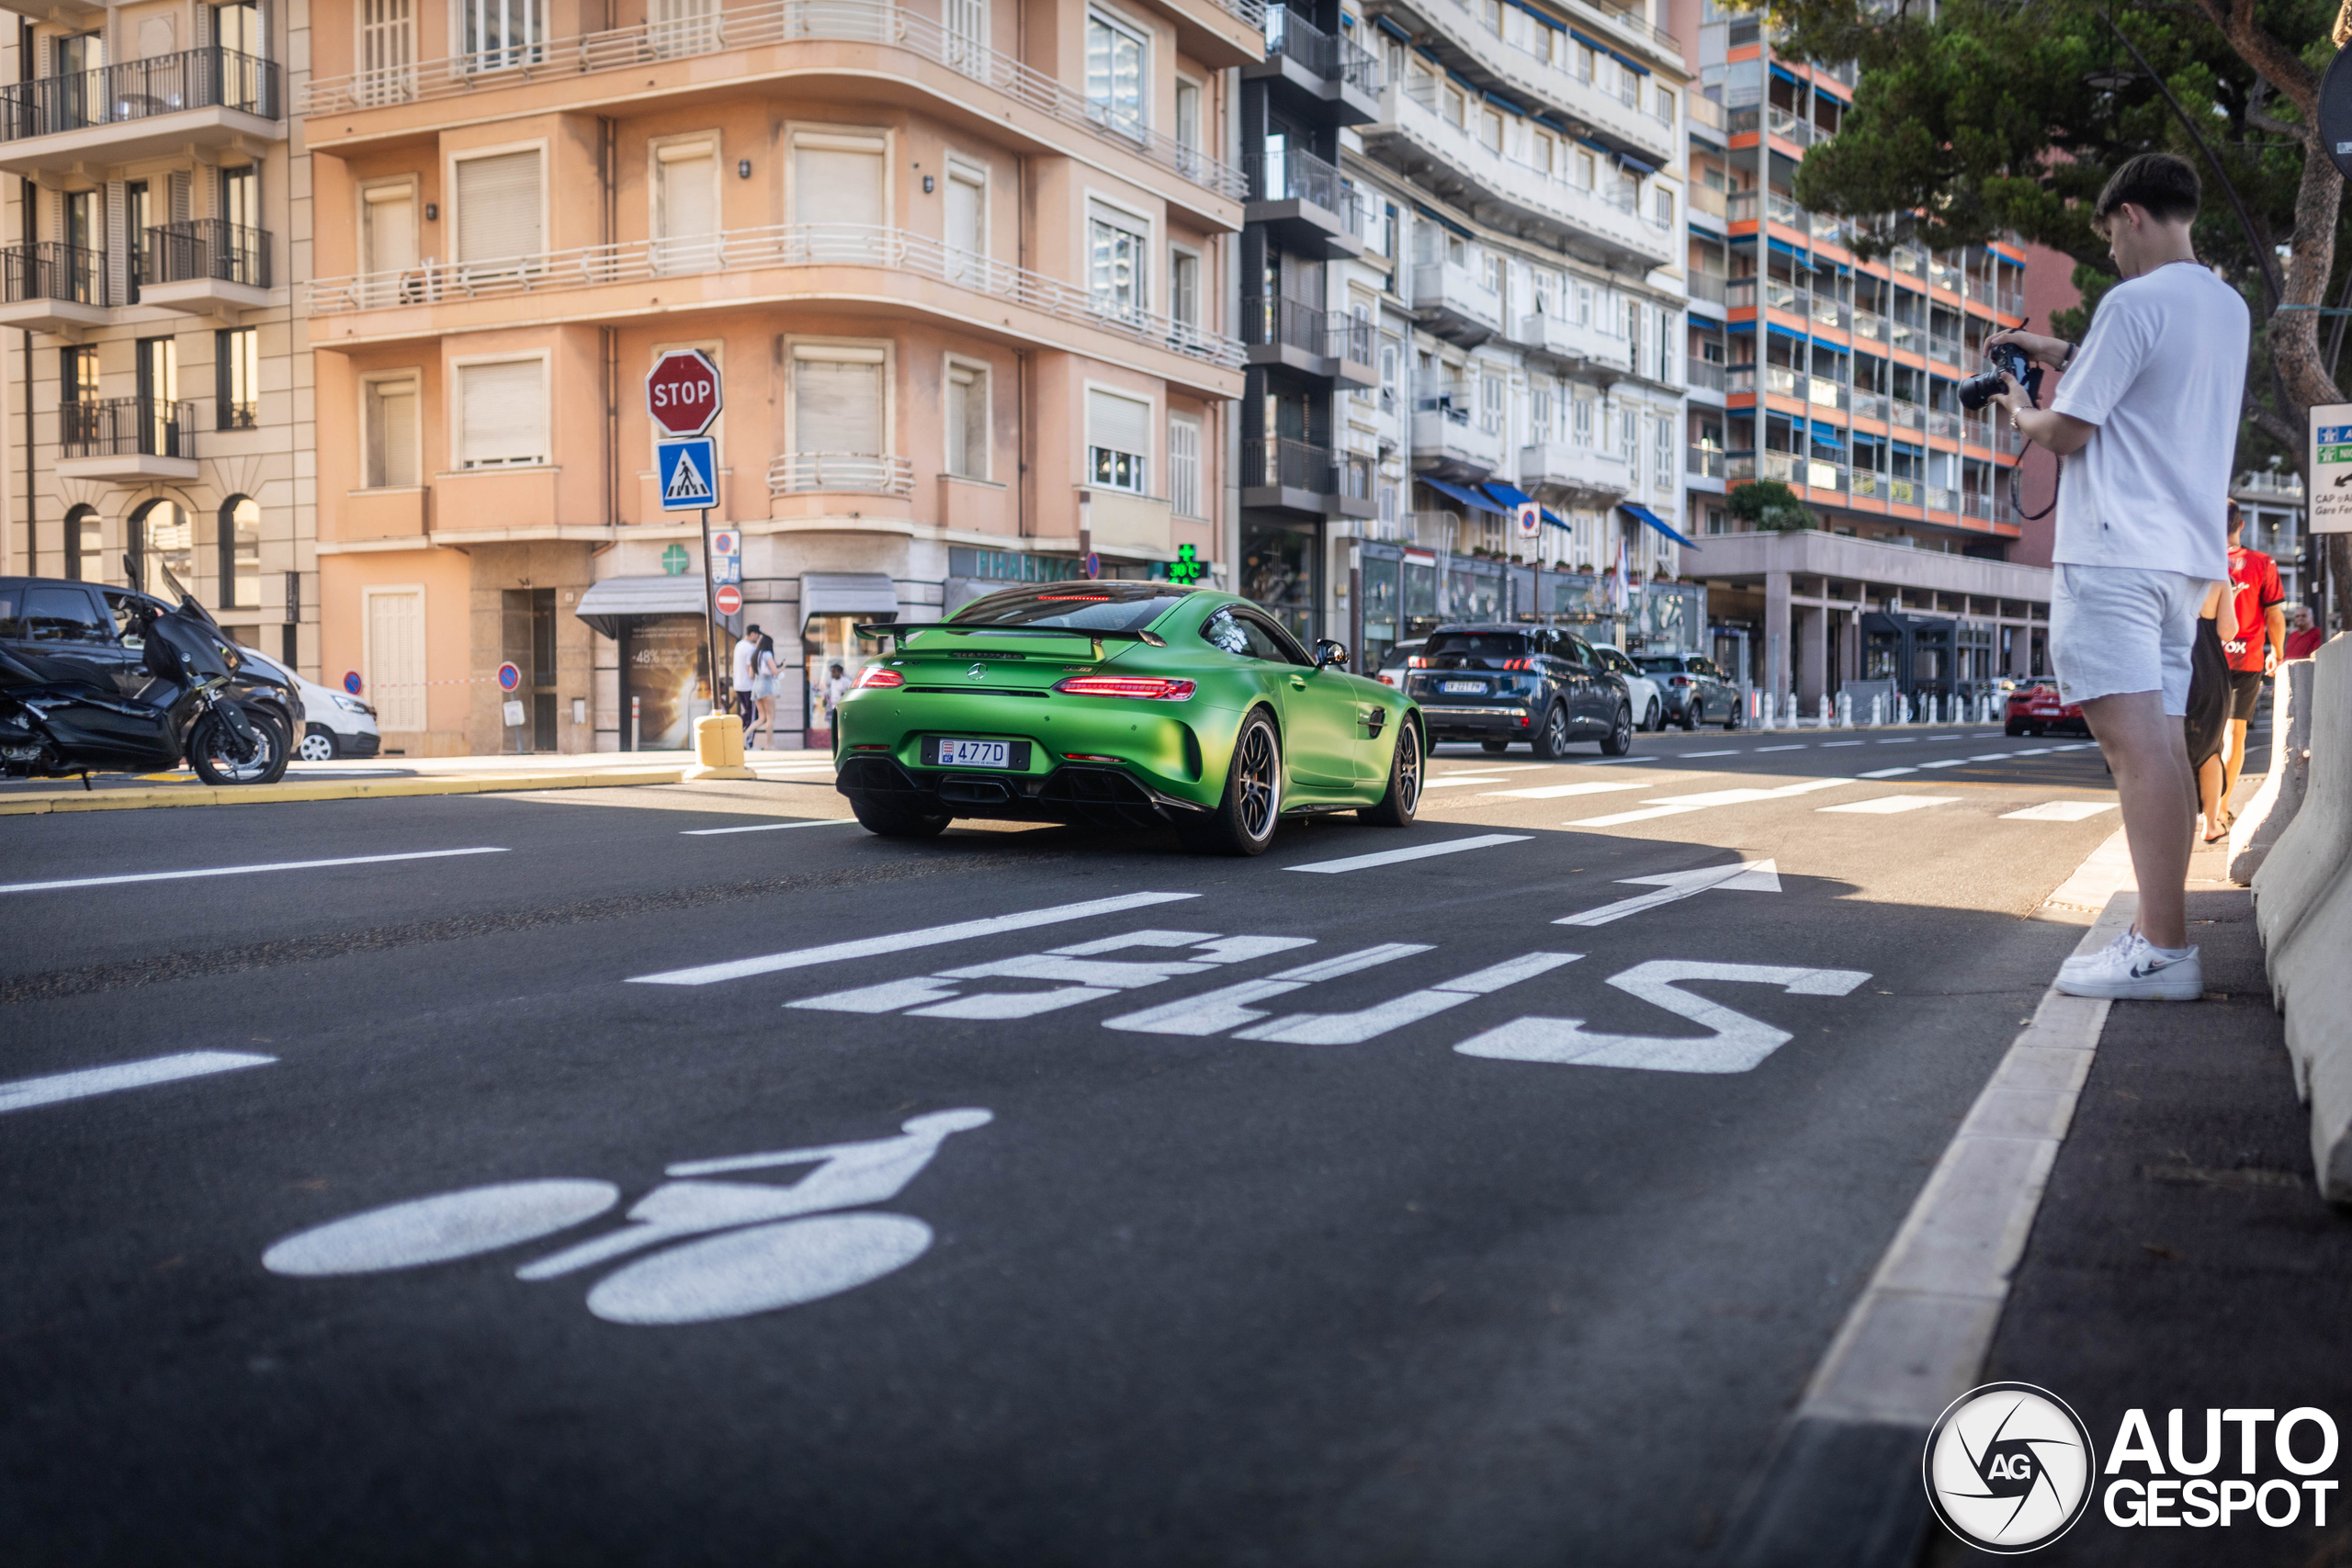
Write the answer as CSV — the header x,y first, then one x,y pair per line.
x,y
667,51
1905,415
429,300
1936,499
1465,42
1417,140
1305,202
1572,343
205,267
55,287
126,440
1790,128
1709,288
1289,333
1447,441
1580,471
1943,426
1870,405
1824,393
1328,77
1455,303
1704,462
1706,375
1781,381
1869,327
140,109
1783,210
855,473
1297,476
1943,350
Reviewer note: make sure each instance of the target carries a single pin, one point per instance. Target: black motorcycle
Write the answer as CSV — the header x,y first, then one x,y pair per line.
x,y
56,725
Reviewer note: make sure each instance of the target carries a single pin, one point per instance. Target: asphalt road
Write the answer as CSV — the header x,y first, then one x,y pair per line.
x,y
1307,1223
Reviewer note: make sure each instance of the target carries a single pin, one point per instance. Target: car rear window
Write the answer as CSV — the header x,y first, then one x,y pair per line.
x,y
1478,645
1081,607
1660,666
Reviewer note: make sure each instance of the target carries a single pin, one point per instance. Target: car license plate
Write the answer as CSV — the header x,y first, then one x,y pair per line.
x,y
975,753
1462,687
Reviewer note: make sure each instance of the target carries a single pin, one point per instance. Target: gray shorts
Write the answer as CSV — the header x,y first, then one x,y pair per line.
x,y
2116,628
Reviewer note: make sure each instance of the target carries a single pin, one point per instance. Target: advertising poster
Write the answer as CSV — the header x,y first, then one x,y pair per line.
x,y
663,666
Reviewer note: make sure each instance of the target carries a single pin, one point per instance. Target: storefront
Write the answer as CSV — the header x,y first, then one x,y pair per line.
x,y
832,605
665,643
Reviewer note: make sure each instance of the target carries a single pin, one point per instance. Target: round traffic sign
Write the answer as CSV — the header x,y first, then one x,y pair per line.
x,y
351,681
1093,566
682,392
509,677
731,599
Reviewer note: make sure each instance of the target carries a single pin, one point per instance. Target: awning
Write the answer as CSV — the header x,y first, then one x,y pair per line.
x,y
868,594
606,603
1509,495
1558,521
1463,493
1827,436
1629,161
1644,514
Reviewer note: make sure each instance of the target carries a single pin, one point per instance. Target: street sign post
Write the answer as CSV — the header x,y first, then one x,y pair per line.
x,y
726,557
1531,520
681,393
509,677
682,397
729,598
351,681
2331,468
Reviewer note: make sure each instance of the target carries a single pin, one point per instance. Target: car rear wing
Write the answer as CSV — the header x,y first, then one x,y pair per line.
x,y
904,629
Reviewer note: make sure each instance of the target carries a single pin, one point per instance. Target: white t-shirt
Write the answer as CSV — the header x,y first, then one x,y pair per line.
x,y
745,651
2163,375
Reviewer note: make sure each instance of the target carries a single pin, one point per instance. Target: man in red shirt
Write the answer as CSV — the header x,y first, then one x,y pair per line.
x,y
2253,628
2304,639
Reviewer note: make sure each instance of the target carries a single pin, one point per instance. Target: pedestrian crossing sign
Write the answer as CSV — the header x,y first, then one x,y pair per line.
x,y
689,473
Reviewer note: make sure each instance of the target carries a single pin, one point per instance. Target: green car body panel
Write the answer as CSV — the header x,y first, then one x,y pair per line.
x,y
1338,731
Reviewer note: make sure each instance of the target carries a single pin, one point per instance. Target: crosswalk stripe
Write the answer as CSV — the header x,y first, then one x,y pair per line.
x,y
1419,851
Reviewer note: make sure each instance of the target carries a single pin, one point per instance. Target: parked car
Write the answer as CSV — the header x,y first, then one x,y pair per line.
x,y
1498,684
1696,691
2036,710
1649,703
1392,663
335,724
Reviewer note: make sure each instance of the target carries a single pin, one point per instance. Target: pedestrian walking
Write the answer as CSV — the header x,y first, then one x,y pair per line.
x,y
2304,639
2205,729
2253,629
767,681
2144,426
836,688
747,652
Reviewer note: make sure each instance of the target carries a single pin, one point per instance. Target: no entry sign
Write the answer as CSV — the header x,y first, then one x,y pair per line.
x,y
731,599
682,392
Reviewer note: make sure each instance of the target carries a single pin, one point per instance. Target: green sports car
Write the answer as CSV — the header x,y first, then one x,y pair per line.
x,y
1121,702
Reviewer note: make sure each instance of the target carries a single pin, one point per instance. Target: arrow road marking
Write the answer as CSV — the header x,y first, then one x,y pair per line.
x,y
1741,876
1391,857
1734,1044
27,1092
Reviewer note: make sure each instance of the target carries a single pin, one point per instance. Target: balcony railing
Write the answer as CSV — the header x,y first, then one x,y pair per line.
x,y
1870,405
2012,302
1706,374
1739,206
1784,209
120,427
1940,500
1708,286
1706,462
1903,259
1906,415
1289,465
1943,275
744,250
206,247
774,22
52,270
142,89
1871,326
1739,380
868,473
1943,349
1822,392
1291,324
1788,128
1943,425
1294,175
1333,59
1820,475
1779,381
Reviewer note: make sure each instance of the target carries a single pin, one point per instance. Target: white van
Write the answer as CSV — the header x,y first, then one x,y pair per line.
x,y
335,723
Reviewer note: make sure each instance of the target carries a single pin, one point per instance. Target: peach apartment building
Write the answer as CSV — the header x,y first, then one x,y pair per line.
x,y
964,265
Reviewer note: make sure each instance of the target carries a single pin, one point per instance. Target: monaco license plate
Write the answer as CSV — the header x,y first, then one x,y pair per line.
x,y
975,754
1461,688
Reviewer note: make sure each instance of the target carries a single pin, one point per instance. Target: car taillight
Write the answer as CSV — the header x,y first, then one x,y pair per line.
x,y
1677,680
1153,688
1384,679
1416,663
879,675
1519,664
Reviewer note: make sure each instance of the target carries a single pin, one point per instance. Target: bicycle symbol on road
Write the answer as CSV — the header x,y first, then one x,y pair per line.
x,y
765,1247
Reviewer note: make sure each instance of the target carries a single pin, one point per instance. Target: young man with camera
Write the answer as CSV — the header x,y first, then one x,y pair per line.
x,y
2145,426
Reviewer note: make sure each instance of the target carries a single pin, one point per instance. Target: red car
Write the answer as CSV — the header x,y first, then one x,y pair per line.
x,y
2036,710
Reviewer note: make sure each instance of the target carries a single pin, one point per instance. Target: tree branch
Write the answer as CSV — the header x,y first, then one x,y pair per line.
x,y
2255,45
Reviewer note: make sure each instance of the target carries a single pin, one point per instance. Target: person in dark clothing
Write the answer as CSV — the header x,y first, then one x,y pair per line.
x,y
2207,720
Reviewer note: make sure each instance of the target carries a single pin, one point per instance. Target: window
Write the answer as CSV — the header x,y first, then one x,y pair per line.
x,y
240,542
967,209
838,406
1629,438
239,201
501,33
1188,114
1490,402
1664,202
85,555
77,380
237,379
159,392
1663,105
1184,467
1246,637
1184,287
685,206
1115,73
1116,243
165,537
839,179
387,52
388,426
1662,472
499,206
503,414
1540,411
237,27
1392,355
1118,441
63,614
1584,421
1584,304
968,420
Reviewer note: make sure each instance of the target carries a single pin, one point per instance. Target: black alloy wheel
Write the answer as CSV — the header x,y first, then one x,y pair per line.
x,y
1693,716
221,758
1404,797
1551,736
1244,821
1620,738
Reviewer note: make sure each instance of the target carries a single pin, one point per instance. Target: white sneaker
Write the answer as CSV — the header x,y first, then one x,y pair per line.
x,y
2133,970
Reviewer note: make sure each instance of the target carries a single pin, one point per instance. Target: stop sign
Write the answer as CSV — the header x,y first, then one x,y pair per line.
x,y
682,392
731,599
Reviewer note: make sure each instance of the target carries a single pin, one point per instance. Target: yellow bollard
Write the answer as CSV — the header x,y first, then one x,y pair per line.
x,y
718,749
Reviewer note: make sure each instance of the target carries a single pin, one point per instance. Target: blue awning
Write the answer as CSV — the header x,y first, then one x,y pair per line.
x,y
1509,495
1643,513
1463,493
1644,170
1785,74
1556,521
1392,29
1826,436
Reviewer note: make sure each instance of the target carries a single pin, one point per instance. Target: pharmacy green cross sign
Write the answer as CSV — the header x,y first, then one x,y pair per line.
x,y
673,561
1188,567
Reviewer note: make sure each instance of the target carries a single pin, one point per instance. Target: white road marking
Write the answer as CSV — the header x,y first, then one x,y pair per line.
x,y
1085,976
1370,1023
1736,1045
1905,741
1741,876
1560,792
1798,746
1733,753
767,827
2032,751
1992,756
1423,852
1888,772
1890,805
236,870
1949,762
1947,736
930,936
1463,779
1675,806
2059,811
1827,744
26,1093
2076,746
1214,1013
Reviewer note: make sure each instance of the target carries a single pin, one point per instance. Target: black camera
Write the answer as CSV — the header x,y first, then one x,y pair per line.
x,y
1977,390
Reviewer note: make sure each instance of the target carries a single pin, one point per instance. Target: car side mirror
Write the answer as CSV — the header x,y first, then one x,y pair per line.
x,y
1329,652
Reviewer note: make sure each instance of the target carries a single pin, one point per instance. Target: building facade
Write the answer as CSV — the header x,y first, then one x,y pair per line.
x,y
158,378
964,266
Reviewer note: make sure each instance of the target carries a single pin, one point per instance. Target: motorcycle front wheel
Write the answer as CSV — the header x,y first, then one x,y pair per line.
x,y
218,757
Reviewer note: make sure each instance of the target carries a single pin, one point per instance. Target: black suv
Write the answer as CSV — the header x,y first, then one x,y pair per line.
x,y
1696,691
1499,683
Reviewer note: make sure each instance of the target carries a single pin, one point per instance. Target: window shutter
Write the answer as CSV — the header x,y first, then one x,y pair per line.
x,y
391,433
391,229
689,191
1184,467
837,403
965,210
503,413
837,179
498,207
1118,424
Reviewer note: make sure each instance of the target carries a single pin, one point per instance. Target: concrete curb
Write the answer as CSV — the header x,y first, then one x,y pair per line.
x,y
328,789
2274,805
1841,1487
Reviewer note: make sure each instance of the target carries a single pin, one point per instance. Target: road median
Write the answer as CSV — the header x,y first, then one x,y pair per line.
x,y
329,789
